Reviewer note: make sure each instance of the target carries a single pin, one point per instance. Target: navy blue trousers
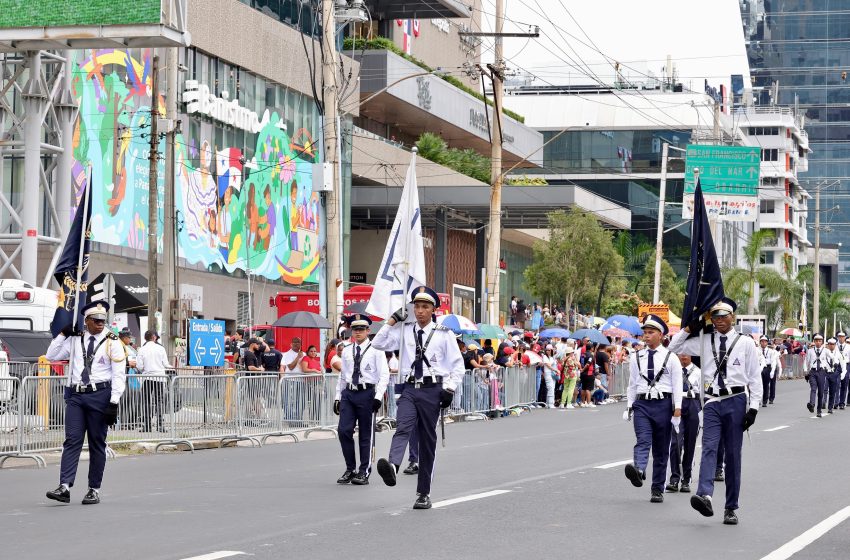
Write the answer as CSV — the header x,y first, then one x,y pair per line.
x,y
817,384
772,392
418,412
842,392
833,381
84,417
683,445
652,430
765,385
723,423
355,407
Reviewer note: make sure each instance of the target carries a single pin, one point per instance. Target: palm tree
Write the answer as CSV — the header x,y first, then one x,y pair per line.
x,y
781,304
636,251
835,305
740,283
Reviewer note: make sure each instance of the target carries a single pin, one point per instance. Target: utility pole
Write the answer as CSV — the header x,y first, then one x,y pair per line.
x,y
662,192
333,256
494,234
816,283
169,234
153,210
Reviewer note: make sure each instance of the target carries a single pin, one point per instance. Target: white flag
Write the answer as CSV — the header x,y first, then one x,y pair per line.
x,y
403,266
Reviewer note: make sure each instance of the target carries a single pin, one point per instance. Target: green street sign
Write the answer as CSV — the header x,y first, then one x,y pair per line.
x,y
61,13
723,170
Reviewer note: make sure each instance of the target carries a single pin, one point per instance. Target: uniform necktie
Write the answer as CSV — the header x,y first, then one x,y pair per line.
x,y
722,358
420,355
89,355
650,366
355,378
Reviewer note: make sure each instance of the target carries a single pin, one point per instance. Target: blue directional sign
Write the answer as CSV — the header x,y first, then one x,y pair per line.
x,y
206,343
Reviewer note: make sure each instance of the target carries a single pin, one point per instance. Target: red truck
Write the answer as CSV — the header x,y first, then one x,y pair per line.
x,y
287,302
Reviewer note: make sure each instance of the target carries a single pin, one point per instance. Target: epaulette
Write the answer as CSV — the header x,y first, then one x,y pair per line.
x,y
111,335
440,327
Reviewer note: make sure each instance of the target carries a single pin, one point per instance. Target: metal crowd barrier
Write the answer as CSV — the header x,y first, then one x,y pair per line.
x,y
202,407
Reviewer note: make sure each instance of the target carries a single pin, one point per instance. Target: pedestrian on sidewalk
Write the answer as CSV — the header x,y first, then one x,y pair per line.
x,y
359,394
654,405
93,388
152,361
431,368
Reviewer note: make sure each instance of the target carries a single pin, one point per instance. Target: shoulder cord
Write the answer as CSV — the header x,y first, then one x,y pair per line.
x,y
652,382
421,351
720,365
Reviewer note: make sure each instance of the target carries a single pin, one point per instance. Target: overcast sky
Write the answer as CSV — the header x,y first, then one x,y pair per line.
x,y
704,37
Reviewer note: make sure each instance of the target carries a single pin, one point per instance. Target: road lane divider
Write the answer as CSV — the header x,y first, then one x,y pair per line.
x,y
469,498
797,544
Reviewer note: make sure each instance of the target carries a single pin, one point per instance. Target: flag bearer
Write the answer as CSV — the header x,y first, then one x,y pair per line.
x,y
431,368
684,443
92,390
655,402
818,365
732,385
362,383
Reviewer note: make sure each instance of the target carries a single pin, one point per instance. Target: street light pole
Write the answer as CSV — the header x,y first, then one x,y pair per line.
x,y
153,197
816,286
333,271
656,290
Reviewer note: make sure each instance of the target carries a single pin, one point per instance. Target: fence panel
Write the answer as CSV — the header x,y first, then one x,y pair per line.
x,y
143,412
41,406
203,407
259,406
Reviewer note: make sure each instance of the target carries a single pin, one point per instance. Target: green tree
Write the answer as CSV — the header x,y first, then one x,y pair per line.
x,y
636,250
782,302
576,262
834,305
671,292
740,283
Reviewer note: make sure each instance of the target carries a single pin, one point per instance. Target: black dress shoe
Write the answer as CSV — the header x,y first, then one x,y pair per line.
x,y
635,475
718,476
360,479
412,468
685,488
672,487
387,471
657,497
92,497
60,495
729,517
819,415
345,478
829,411
422,502
769,402
702,504
810,406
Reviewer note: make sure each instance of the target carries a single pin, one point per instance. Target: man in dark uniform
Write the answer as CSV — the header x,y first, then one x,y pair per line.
x,y
359,395
272,358
818,365
684,442
92,390
430,367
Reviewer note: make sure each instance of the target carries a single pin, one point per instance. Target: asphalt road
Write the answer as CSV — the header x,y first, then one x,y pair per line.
x,y
544,496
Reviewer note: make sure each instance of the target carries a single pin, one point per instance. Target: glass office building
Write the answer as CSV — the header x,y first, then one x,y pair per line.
x,y
799,54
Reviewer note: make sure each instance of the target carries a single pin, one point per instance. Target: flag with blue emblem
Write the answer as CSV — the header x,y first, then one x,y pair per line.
x,y
403,265
705,285
71,271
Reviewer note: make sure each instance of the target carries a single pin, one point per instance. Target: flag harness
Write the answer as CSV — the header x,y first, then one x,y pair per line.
x,y
653,390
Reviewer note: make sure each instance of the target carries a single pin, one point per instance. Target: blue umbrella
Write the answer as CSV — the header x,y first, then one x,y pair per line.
x,y
624,322
555,332
592,334
458,324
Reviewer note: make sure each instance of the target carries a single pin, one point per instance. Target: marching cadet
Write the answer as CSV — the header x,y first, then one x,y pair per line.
x,y
359,394
431,368
655,404
92,390
683,444
818,363
844,349
833,376
769,359
730,370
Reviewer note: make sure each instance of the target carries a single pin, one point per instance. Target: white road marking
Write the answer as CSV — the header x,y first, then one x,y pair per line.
x,y
797,544
612,465
777,428
216,555
469,498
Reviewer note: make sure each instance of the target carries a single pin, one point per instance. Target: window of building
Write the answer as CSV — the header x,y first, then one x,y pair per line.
x,y
764,131
766,257
770,154
766,206
242,308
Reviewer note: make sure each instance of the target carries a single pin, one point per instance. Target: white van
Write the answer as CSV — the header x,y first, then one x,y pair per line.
x,y
25,307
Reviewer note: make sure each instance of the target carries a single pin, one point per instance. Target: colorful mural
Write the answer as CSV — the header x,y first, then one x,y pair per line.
x,y
233,213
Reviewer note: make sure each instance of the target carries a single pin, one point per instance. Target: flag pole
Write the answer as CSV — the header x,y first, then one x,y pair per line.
x,y
85,208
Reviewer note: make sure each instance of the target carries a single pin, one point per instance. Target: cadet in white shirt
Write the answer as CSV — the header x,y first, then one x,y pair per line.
x,y
769,359
654,404
359,393
818,364
833,376
93,387
683,444
844,349
431,369
732,384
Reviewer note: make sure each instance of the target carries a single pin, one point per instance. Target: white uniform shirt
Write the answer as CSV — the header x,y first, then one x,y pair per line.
x,y
373,368
742,363
152,359
819,358
108,363
669,382
442,352
769,357
844,350
692,373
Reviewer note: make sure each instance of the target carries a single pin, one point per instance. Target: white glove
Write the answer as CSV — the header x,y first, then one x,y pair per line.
x,y
627,414
699,415
676,420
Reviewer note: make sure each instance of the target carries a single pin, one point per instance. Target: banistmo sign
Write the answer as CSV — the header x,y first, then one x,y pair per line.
x,y
478,120
198,99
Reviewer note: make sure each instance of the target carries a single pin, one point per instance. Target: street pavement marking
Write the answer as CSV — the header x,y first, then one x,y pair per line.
x,y
612,465
797,544
216,555
469,498
777,428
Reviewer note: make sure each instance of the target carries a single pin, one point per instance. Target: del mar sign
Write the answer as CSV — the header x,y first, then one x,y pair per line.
x,y
198,99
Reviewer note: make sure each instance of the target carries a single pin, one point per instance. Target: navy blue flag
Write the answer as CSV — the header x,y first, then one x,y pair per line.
x,y
705,285
71,300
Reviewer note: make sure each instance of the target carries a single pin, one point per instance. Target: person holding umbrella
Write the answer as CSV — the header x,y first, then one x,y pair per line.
x,y
359,394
